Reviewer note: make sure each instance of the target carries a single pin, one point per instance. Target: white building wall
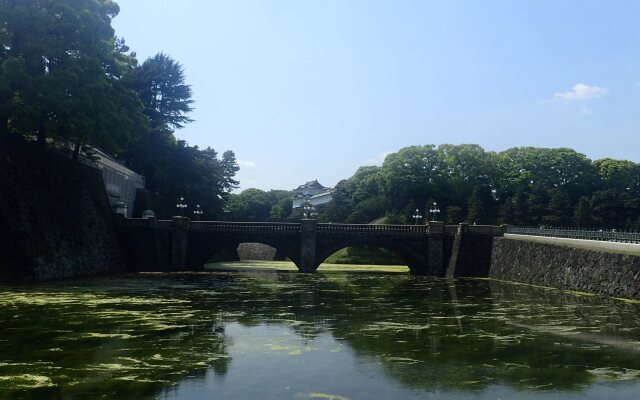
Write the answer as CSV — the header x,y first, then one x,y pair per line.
x,y
120,182
315,200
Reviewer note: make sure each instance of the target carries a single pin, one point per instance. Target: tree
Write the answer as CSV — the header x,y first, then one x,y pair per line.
x,y
465,167
250,205
411,174
559,211
582,214
525,167
62,66
476,207
620,175
229,169
160,84
507,211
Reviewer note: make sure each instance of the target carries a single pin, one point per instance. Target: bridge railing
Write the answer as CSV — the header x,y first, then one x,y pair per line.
x,y
223,226
367,228
226,226
492,230
146,222
577,233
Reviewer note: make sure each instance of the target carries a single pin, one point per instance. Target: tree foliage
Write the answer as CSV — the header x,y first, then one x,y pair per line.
x,y
258,205
160,84
61,66
520,186
66,78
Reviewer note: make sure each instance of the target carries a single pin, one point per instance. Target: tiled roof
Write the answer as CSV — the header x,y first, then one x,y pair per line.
x,y
312,185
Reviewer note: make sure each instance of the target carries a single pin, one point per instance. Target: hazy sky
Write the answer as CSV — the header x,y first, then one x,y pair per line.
x,y
304,90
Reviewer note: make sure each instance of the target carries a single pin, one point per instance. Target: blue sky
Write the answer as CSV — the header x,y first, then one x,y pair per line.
x,y
304,90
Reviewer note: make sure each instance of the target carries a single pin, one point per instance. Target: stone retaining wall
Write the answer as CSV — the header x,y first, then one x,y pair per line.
x,y
55,217
567,268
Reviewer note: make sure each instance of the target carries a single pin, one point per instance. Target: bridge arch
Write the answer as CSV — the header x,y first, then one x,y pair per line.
x,y
412,256
201,248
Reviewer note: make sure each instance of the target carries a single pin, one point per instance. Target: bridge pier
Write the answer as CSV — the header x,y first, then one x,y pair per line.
x,y
471,252
435,249
179,240
308,233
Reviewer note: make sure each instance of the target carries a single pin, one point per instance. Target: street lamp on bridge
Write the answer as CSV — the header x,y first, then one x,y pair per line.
x,y
416,217
309,211
181,205
434,210
197,213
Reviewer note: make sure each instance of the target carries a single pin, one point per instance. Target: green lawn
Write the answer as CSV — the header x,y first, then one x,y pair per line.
x,y
253,265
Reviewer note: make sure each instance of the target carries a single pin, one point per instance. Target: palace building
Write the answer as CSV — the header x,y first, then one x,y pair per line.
x,y
314,193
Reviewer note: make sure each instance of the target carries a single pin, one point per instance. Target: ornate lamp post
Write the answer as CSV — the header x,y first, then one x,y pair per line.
x,y
181,205
309,211
197,213
416,217
434,210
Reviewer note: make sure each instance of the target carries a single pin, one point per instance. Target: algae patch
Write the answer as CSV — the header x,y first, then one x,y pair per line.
x,y
25,381
327,396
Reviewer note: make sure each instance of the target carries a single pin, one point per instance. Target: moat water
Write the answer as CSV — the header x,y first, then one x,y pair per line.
x,y
283,335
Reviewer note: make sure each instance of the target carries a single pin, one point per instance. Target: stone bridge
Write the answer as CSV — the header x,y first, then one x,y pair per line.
x,y
183,245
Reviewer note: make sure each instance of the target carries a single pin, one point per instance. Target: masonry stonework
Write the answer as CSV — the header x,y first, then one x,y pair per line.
x,y
567,268
55,217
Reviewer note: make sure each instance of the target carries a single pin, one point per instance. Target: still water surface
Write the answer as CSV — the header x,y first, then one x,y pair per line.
x,y
279,335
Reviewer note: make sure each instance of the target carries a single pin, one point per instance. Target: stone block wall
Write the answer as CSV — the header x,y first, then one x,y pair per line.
x,y
55,218
147,249
567,268
256,251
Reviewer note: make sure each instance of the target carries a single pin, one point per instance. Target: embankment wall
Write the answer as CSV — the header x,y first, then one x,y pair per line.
x,y
55,219
565,267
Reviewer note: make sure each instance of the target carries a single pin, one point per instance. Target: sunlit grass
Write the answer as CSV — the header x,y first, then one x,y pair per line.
x,y
251,265
362,268
255,265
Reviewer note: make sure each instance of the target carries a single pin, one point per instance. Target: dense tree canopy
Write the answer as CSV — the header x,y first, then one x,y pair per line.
x,y
61,66
159,82
521,186
518,186
65,78
258,205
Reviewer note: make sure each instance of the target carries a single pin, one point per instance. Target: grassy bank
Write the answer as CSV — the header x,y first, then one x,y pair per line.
x,y
252,265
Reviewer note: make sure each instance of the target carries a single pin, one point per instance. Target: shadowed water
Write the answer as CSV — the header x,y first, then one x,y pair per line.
x,y
279,335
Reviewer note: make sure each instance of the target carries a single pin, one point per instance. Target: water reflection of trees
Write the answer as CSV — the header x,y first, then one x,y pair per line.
x,y
433,334
427,333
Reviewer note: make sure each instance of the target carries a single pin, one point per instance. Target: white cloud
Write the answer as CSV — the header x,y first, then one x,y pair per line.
x,y
582,92
379,158
248,165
